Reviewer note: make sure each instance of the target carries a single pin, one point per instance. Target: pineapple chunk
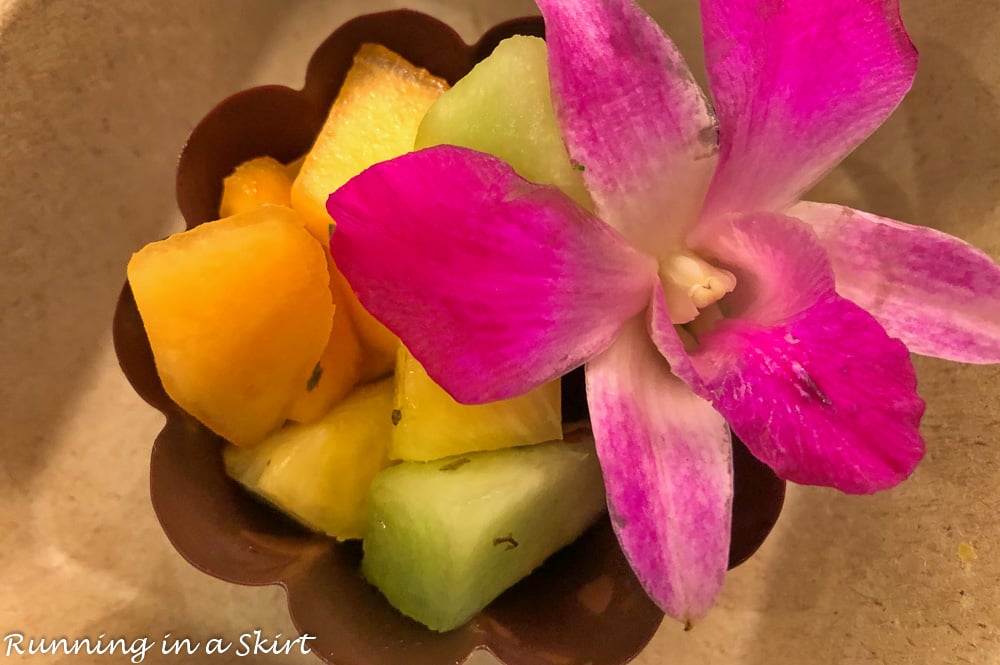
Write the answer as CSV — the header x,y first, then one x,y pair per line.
x,y
237,312
430,424
319,474
374,118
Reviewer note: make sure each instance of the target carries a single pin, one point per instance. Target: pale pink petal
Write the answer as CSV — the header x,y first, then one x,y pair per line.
x,y
666,455
495,284
780,266
632,116
808,380
797,85
936,293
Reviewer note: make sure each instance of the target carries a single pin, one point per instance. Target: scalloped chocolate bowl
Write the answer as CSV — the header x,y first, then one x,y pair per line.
x,y
583,605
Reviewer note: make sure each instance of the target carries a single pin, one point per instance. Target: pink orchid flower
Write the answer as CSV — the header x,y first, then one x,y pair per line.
x,y
702,296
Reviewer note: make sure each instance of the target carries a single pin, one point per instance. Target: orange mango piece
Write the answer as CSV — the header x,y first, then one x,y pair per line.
x,y
237,312
374,118
256,182
378,342
265,180
339,368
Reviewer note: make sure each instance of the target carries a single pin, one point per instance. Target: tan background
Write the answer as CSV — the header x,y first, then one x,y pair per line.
x,y
96,99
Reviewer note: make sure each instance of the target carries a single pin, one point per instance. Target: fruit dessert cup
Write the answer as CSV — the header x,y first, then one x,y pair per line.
x,y
584,605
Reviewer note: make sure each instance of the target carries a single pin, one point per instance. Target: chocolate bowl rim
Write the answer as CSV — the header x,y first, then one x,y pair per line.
x,y
137,364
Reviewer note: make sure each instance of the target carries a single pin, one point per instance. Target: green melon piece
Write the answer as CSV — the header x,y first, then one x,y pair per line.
x,y
429,424
504,107
445,538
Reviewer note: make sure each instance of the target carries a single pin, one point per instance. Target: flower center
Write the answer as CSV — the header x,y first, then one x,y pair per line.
x,y
692,284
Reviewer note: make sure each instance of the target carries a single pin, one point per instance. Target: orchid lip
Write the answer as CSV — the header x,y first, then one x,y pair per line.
x,y
692,284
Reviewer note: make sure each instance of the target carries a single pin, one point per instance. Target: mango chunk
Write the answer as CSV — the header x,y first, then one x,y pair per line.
x,y
339,368
320,473
237,312
429,424
265,180
374,118
256,182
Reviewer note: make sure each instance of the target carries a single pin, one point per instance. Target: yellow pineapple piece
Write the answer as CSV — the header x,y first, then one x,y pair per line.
x,y
374,118
429,424
320,473
256,182
237,312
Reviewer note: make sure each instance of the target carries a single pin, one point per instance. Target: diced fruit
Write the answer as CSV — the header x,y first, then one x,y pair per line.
x,y
253,183
504,107
320,473
444,538
265,180
430,424
338,370
379,344
373,119
237,312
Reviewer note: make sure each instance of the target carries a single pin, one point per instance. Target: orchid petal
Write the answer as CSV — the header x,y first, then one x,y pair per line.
x,y
826,399
495,284
666,456
780,266
632,116
797,85
808,380
936,293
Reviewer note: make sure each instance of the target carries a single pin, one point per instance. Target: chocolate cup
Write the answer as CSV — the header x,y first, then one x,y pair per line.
x,y
584,605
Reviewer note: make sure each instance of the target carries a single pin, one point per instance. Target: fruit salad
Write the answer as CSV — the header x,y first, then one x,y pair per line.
x,y
327,415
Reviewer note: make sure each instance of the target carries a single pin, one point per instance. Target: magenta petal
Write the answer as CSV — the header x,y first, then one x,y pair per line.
x,y
825,399
797,84
781,269
495,284
632,116
936,293
808,380
666,455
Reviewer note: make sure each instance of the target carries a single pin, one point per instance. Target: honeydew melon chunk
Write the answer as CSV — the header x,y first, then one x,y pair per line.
x,y
320,473
445,538
429,424
504,107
